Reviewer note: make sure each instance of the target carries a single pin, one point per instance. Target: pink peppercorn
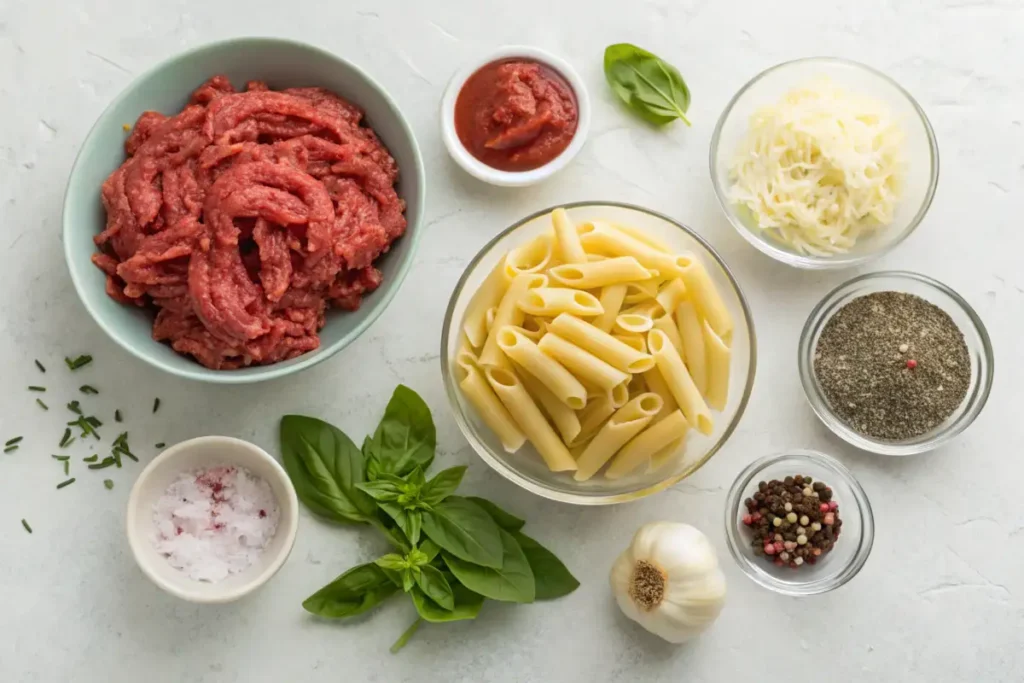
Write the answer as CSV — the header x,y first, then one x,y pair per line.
x,y
833,505
756,517
816,552
911,364
769,549
789,545
823,507
830,518
748,520
779,547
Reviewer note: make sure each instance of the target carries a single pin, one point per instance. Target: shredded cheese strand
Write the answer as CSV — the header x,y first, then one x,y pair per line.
x,y
820,169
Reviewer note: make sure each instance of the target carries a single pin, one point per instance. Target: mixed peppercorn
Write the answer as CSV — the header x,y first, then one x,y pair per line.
x,y
794,521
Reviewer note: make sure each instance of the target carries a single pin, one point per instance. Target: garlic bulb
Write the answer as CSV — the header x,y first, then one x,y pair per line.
x,y
668,581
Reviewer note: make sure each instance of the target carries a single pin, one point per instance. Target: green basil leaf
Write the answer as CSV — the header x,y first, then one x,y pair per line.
x,y
506,521
417,479
649,85
408,580
406,437
380,490
513,582
552,578
442,485
325,467
463,529
435,586
391,561
467,605
409,523
354,592
430,549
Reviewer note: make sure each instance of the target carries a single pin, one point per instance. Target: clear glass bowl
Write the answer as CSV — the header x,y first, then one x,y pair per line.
x,y
921,152
526,468
979,346
833,569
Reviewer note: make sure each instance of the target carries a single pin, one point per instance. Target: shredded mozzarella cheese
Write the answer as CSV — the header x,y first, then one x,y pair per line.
x,y
820,169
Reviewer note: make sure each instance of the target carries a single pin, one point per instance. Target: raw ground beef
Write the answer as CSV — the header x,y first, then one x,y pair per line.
x,y
245,216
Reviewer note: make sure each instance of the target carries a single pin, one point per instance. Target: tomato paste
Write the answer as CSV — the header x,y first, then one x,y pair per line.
x,y
516,115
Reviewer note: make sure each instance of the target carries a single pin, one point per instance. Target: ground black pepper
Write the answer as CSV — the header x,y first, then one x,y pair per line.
x,y
892,365
794,521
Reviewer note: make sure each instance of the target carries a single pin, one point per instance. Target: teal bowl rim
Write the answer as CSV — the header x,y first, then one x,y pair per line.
x,y
267,372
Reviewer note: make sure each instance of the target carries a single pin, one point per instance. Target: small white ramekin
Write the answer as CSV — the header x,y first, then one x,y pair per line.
x,y
479,169
200,453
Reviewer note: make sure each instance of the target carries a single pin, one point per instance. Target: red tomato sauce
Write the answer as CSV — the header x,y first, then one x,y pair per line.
x,y
516,115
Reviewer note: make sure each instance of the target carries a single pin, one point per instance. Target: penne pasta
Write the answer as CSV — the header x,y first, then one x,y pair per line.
x,y
489,318
585,365
565,418
633,323
635,341
637,385
649,308
534,327
570,249
640,292
642,447
679,382
550,301
483,399
593,417
599,273
508,313
656,383
671,295
641,236
611,300
603,238
719,357
665,455
692,335
667,324
620,394
705,296
622,426
601,344
486,298
527,415
543,367
535,256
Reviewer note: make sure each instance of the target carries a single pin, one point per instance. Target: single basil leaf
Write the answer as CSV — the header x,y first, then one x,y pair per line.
x,y
462,528
406,437
417,478
430,549
506,521
325,468
467,605
408,580
354,592
410,527
391,561
435,586
380,490
513,582
442,485
552,578
649,85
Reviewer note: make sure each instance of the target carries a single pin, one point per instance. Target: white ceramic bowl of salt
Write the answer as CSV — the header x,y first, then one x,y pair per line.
x,y
244,508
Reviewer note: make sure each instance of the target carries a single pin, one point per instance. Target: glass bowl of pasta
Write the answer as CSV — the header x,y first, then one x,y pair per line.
x,y
824,163
597,353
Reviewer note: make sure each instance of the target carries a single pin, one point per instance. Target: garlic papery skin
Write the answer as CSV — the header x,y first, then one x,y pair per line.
x,y
668,581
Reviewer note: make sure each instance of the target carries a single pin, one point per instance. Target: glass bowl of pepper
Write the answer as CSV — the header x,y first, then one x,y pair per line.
x,y
799,523
895,363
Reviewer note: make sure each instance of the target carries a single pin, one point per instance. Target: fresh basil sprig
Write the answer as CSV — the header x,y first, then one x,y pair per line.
x,y
649,85
453,552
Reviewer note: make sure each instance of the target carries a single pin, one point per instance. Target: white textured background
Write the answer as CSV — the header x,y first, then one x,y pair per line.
x,y
942,596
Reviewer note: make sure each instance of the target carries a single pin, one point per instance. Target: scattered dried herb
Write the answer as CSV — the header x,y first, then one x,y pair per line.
x,y
66,482
67,438
109,483
160,445
15,440
156,404
41,404
91,458
35,388
75,407
40,366
27,527
103,464
117,416
88,389
76,363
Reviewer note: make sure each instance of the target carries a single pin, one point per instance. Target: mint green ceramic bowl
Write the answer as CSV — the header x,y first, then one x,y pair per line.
x,y
166,88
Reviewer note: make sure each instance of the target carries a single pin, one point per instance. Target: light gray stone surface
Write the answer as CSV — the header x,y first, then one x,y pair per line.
x,y
942,596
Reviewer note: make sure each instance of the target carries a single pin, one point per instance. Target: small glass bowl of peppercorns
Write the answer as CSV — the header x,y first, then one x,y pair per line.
x,y
798,523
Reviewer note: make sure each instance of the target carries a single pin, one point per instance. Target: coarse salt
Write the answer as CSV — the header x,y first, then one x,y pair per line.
x,y
215,522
